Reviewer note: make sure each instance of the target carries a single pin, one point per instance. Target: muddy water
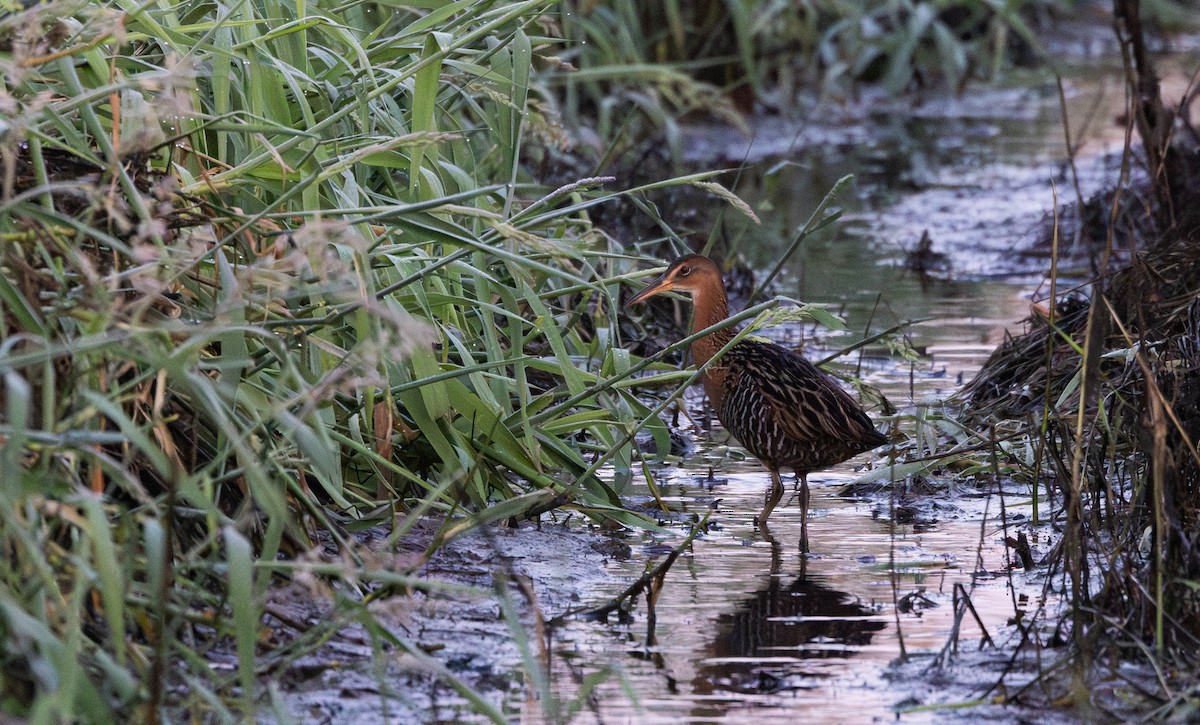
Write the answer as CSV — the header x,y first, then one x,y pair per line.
x,y
746,629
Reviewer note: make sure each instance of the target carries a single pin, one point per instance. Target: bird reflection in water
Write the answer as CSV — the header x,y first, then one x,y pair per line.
x,y
762,645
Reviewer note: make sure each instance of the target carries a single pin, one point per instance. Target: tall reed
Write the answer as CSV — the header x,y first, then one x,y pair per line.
x,y
273,269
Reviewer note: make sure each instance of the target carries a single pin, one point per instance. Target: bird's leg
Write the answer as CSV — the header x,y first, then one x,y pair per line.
x,y
803,513
773,497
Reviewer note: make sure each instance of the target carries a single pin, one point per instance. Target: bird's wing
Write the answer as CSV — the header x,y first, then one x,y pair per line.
x,y
806,403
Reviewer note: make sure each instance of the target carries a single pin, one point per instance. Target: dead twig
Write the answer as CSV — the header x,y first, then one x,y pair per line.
x,y
646,580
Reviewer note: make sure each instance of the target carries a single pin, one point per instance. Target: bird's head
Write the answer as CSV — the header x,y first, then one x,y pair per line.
x,y
686,274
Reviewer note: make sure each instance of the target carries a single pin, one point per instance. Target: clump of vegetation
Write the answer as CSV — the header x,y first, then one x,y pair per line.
x,y
1103,391
274,273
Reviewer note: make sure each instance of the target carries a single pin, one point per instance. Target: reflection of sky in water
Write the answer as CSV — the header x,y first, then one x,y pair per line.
x,y
978,172
750,631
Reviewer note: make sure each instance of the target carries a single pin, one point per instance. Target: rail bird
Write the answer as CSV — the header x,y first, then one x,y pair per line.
x,y
780,407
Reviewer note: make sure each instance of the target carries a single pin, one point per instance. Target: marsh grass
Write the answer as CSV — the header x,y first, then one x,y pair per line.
x,y
275,273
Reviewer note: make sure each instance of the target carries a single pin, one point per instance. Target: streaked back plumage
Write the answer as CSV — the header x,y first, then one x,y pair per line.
x,y
789,413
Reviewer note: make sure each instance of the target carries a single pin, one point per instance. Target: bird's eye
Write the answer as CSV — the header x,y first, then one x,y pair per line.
x,y
685,271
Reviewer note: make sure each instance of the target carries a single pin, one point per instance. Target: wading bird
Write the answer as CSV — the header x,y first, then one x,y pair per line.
x,y
780,407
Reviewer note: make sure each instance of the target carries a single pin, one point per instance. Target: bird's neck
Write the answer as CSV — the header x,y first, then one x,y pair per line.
x,y
710,307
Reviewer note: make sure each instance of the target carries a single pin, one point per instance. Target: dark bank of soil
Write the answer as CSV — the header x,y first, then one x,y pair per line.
x,y
455,626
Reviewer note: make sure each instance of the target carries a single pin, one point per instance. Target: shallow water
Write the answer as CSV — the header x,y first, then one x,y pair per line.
x,y
748,629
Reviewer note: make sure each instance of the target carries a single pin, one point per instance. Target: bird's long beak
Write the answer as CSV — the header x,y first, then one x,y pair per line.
x,y
658,286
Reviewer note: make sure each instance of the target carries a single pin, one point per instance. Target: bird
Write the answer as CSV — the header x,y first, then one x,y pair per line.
x,y
783,409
